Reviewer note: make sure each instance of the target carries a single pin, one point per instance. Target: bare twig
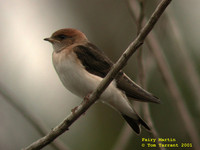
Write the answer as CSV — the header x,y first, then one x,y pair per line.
x,y
141,73
156,49
34,121
65,124
173,88
188,63
147,115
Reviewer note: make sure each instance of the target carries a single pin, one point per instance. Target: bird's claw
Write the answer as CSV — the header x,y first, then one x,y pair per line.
x,y
74,109
87,97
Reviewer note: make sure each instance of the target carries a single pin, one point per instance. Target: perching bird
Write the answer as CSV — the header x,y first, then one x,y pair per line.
x,y
81,66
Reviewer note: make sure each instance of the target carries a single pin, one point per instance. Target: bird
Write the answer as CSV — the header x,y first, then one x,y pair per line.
x,y
81,66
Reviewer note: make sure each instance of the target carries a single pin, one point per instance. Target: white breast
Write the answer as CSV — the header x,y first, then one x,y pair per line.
x,y
73,75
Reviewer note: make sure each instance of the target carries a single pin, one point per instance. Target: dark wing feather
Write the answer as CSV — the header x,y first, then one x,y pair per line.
x,y
97,63
93,59
132,90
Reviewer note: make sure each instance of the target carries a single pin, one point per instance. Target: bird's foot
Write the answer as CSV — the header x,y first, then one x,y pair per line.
x,y
87,97
74,109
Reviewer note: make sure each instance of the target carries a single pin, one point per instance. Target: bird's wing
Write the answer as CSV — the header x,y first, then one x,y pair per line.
x,y
132,90
93,59
97,63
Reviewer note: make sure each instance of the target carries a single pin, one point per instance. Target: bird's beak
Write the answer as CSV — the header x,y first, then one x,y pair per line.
x,y
51,40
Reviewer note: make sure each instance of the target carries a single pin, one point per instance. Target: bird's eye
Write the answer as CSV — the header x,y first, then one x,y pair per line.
x,y
61,37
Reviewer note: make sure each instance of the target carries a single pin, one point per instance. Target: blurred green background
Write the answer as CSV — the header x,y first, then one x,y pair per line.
x,y
27,73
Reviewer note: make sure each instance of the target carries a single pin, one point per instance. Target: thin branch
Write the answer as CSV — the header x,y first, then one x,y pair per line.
x,y
188,63
146,111
147,115
141,74
66,123
173,88
34,121
165,71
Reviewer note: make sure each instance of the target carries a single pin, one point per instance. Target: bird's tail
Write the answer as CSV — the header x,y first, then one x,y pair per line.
x,y
135,123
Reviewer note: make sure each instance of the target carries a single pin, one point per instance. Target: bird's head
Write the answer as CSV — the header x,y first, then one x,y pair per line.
x,y
66,37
